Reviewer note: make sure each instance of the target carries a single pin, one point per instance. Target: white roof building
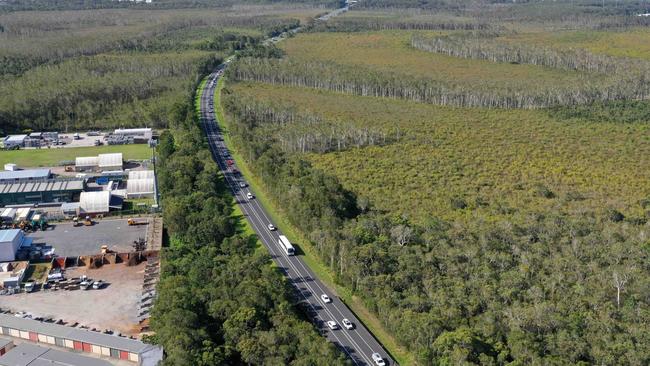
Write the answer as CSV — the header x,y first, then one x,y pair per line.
x,y
87,161
10,241
24,175
110,161
14,140
146,133
140,184
95,202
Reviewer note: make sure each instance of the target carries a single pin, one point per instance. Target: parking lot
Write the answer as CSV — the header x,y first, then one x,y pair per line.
x,y
115,306
69,240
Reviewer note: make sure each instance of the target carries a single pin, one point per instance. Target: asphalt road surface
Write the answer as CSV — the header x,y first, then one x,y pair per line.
x,y
358,344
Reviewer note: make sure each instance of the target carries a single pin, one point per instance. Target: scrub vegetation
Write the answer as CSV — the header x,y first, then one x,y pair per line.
x,y
510,235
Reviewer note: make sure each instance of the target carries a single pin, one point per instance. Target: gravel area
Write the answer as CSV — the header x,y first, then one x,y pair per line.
x,y
115,306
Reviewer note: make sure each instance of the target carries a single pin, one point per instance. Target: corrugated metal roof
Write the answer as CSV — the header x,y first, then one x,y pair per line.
x,y
27,354
75,334
86,161
123,131
95,202
25,174
141,174
45,186
8,235
110,160
15,138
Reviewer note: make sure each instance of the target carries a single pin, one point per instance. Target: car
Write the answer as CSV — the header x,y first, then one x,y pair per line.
x,y
326,299
271,227
98,284
379,361
332,325
347,324
242,184
250,196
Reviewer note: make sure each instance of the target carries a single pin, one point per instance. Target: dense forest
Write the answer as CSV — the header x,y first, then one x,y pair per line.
x,y
97,69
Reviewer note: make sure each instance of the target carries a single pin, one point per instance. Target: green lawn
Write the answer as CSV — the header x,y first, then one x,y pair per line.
x,y
52,157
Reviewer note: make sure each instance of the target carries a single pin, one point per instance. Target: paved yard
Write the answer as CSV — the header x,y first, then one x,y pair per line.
x,y
68,240
112,307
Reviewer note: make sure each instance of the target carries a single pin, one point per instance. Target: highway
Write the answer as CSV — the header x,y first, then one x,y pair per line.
x,y
358,344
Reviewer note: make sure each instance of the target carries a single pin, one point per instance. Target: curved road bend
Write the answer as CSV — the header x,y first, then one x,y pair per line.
x,y
358,344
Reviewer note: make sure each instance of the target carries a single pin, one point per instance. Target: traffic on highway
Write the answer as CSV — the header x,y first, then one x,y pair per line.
x,y
328,312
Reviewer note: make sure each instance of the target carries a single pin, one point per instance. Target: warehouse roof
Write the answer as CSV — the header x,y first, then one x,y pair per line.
x,y
8,235
25,174
139,186
123,131
141,174
44,186
110,160
4,342
95,202
26,354
15,138
86,161
75,334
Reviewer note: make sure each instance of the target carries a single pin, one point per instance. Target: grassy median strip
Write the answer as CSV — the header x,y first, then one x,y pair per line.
x,y
400,354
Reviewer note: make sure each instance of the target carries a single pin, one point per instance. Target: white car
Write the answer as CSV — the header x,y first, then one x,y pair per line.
x,y
242,184
271,227
379,361
326,299
250,196
98,284
332,324
347,324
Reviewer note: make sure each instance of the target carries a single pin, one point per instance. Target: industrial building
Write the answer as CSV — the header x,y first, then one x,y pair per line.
x,y
5,346
95,202
13,176
137,133
100,163
10,241
51,190
12,273
140,184
27,354
14,141
81,340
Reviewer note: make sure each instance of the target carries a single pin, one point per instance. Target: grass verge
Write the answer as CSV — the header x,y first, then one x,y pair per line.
x,y
399,353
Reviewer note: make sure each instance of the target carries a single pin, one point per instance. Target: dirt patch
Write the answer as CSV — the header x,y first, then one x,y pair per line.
x,y
115,306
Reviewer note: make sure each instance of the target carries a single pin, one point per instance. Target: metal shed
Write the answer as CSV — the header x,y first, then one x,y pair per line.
x,y
95,202
86,163
52,190
140,184
27,354
110,161
81,340
12,176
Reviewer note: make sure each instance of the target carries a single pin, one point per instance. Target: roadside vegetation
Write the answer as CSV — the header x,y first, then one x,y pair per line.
x,y
220,301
